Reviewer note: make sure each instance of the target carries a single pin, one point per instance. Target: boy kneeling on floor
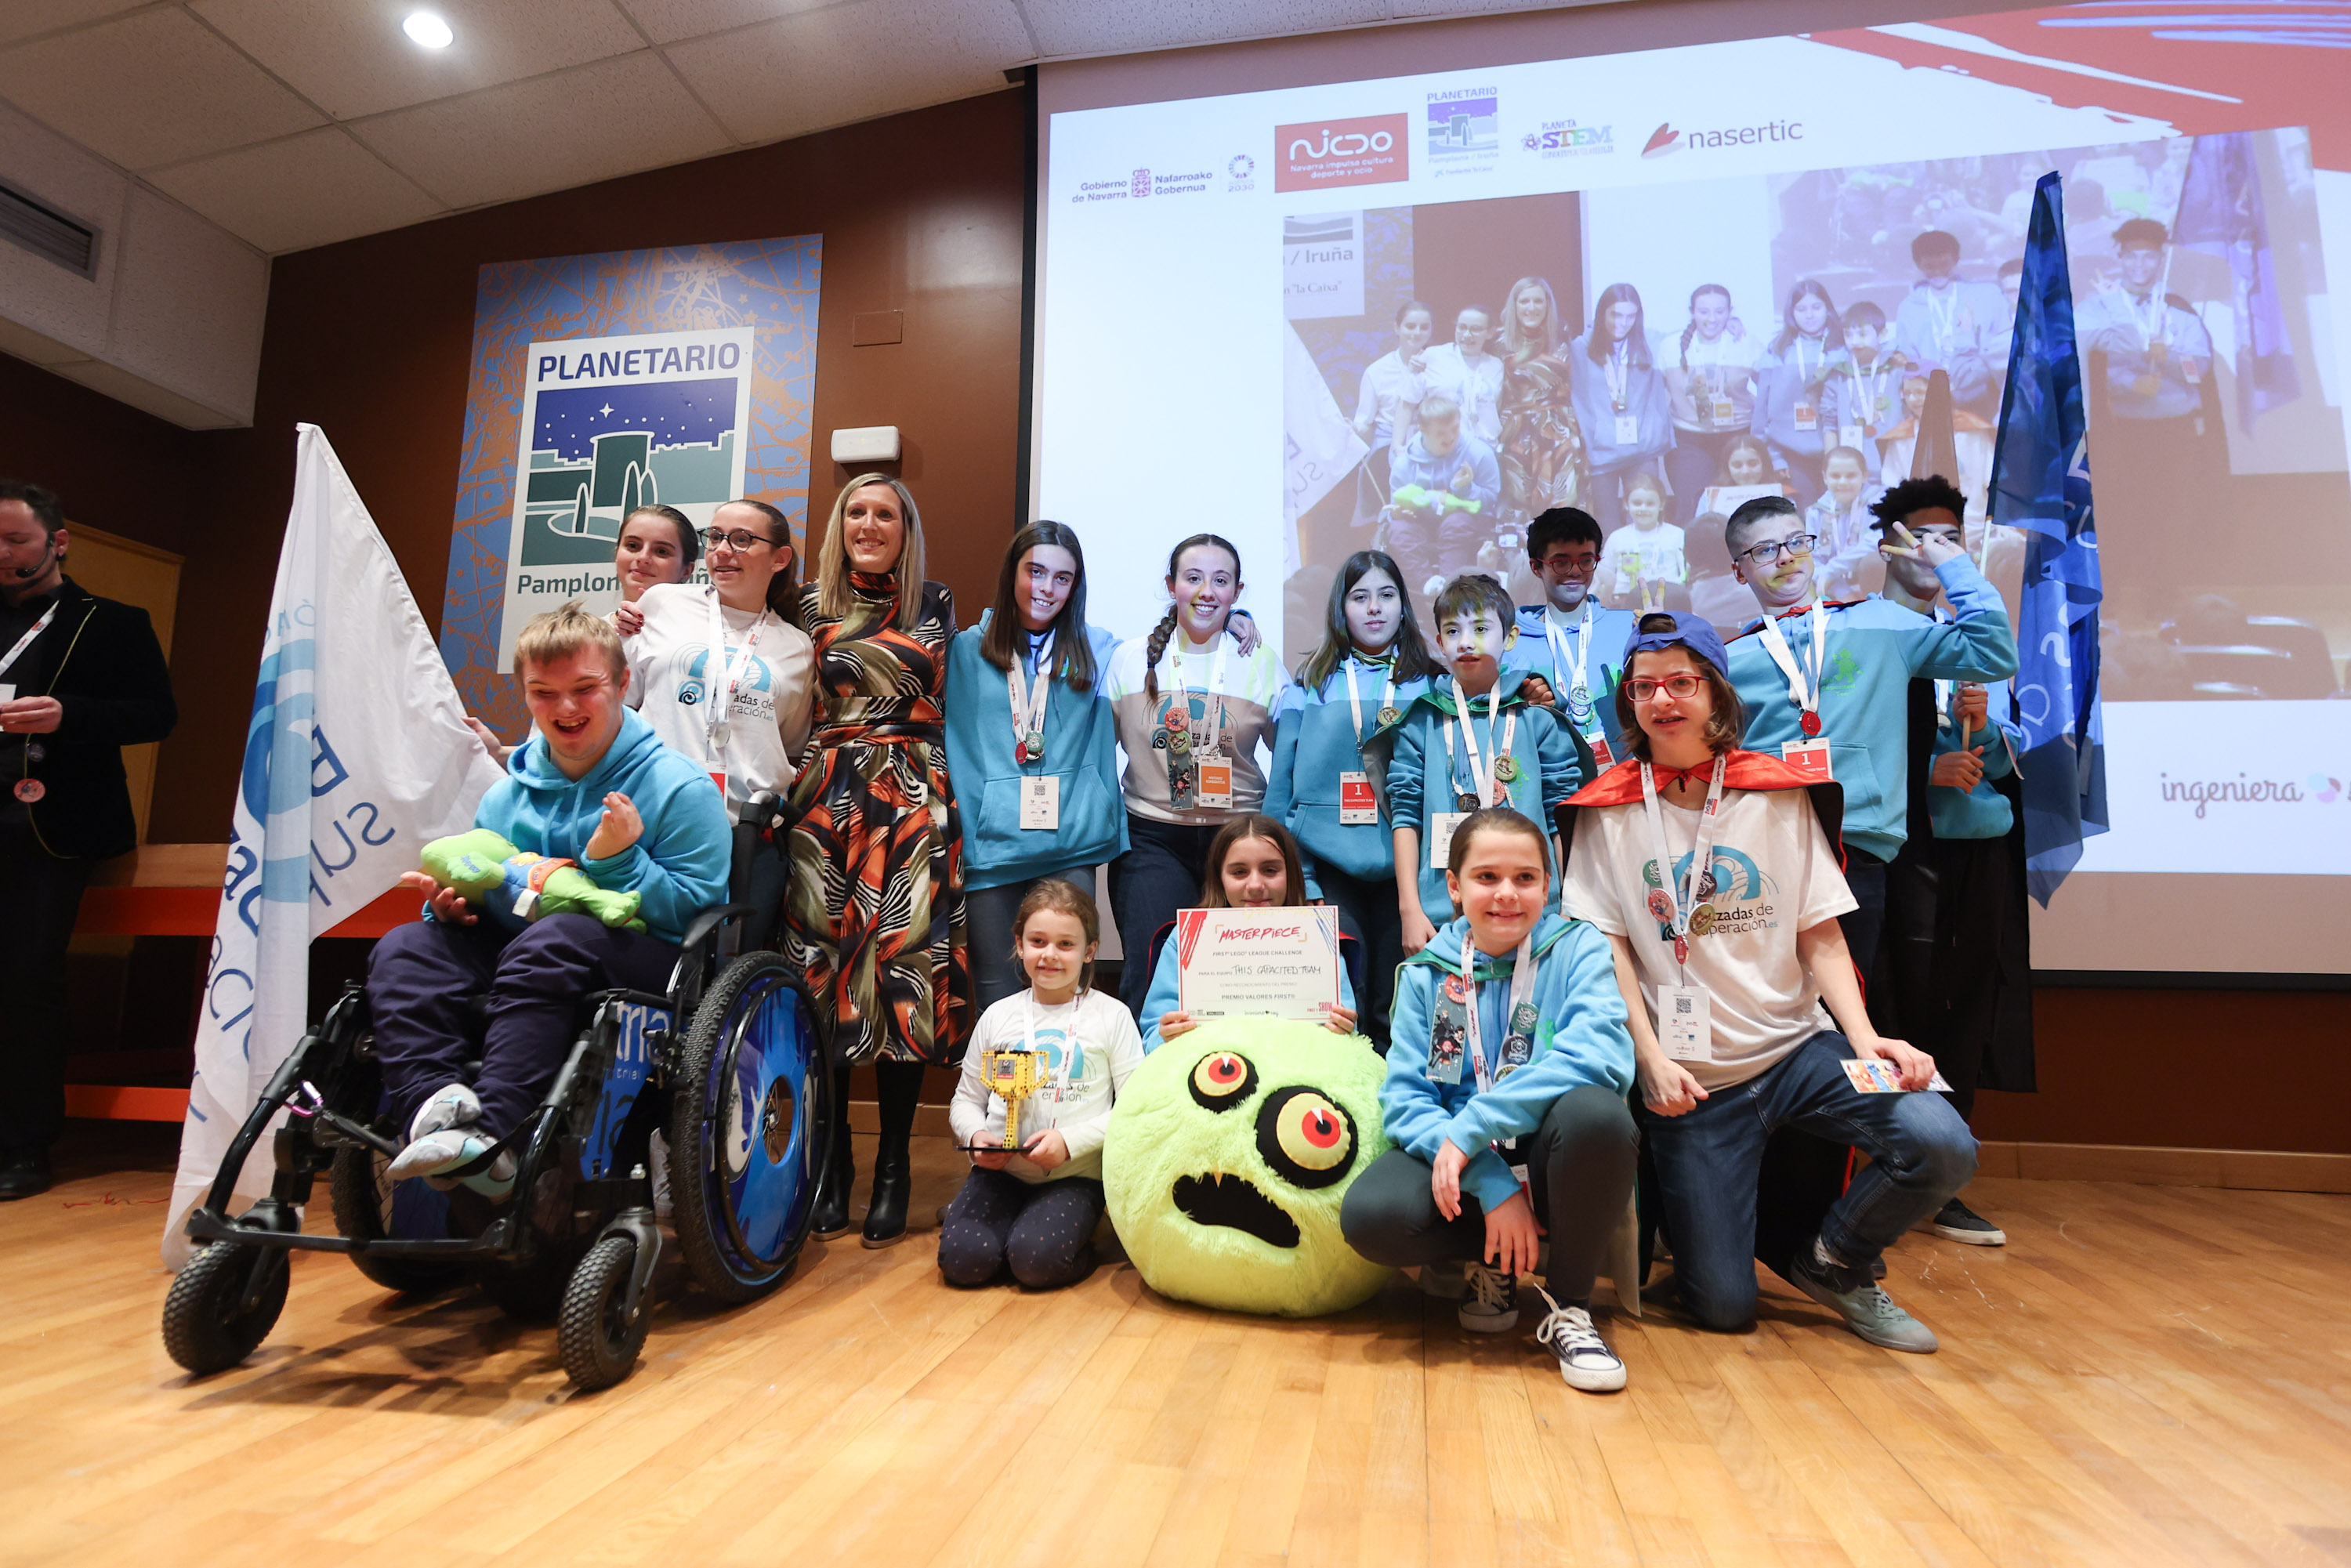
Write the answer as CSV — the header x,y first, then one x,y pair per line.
x,y
593,785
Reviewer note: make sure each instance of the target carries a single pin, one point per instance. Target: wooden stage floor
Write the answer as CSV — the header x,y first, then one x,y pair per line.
x,y
2145,1375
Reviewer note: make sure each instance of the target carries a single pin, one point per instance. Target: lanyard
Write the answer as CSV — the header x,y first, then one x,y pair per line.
x,y
1029,703
2153,321
1804,693
1522,991
1355,701
1572,658
1943,310
1803,365
1682,901
1620,372
1480,779
1058,1077
722,694
1867,391
10,658
1215,693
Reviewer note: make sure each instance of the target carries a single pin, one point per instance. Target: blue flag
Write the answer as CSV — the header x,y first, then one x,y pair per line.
x,y
2220,215
2041,484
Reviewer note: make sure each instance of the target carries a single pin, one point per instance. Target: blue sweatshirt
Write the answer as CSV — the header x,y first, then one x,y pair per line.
x,y
1314,741
1413,463
1874,650
1581,1039
1647,400
1977,312
1081,750
1799,375
678,866
1420,783
1160,1000
1983,812
1604,658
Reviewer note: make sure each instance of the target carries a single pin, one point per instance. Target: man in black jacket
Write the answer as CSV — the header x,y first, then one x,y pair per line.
x,y
81,678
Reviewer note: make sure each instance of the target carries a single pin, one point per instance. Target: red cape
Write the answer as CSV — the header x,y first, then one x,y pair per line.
x,y
1621,786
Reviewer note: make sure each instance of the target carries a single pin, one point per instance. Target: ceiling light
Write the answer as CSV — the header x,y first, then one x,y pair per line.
x,y
428,29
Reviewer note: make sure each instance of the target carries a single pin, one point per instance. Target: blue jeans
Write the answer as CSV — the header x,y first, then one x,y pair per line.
x,y
1707,1160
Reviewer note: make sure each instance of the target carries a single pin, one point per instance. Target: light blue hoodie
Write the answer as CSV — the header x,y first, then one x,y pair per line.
x,y
1873,649
1081,750
1647,399
678,866
1420,785
1801,373
1581,1039
1314,741
1604,658
1161,999
1982,812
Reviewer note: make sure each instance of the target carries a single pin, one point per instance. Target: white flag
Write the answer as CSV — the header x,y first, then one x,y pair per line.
x,y
1319,446
356,756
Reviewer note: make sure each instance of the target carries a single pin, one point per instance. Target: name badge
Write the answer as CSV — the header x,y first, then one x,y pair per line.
x,y
1358,807
1807,417
1216,793
1809,757
7,691
1442,825
1851,436
1628,429
1041,804
1686,1023
1723,411
1602,759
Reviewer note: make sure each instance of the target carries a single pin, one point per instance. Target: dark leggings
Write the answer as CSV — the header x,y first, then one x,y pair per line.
x,y
1043,1231
1379,926
1580,1165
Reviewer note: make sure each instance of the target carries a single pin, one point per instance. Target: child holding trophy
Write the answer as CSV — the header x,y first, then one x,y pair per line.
x,y
1038,1078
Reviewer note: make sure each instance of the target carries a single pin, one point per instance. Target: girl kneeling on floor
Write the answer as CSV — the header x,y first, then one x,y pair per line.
x,y
1508,1067
1033,1210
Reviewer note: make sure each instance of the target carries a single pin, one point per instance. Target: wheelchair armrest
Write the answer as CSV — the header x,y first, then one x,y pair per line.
x,y
703,925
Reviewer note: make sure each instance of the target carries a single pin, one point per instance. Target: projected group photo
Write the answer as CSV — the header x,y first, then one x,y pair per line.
x,y
1658,354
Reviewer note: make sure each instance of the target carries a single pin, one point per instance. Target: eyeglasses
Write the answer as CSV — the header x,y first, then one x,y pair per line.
x,y
1768,552
1681,688
1582,565
733,539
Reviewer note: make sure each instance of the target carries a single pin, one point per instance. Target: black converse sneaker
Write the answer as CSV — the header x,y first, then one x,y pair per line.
x,y
1584,1359
1958,1222
1493,1303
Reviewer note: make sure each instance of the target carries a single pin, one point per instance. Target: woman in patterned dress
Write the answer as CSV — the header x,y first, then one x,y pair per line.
x,y
1542,446
875,916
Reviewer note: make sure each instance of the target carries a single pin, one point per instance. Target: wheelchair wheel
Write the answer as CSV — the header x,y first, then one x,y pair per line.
x,y
369,1207
597,1345
207,1326
750,1128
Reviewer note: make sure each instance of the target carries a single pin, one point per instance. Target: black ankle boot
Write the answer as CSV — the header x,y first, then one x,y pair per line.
x,y
893,1180
831,1215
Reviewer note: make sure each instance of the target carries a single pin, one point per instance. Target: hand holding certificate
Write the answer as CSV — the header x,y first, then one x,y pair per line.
x,y
1280,961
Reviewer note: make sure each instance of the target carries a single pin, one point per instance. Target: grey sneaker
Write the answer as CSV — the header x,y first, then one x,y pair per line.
x,y
1863,1305
1493,1303
1584,1359
1447,1282
1958,1222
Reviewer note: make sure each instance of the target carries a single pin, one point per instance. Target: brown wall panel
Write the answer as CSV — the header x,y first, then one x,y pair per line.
x,y
115,468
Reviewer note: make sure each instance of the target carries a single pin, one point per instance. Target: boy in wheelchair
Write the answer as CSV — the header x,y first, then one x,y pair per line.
x,y
593,785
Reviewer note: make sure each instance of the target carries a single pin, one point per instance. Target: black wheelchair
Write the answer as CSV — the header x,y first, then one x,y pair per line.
x,y
728,1065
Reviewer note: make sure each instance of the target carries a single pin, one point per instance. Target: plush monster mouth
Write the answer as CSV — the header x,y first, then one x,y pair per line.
x,y
1231,1200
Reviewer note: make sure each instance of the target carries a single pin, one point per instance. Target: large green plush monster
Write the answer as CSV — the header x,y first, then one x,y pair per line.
x,y
1229,1153
516,887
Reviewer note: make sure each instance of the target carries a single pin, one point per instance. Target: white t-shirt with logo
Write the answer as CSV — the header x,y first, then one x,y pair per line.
x,y
1775,875
1092,1048
671,673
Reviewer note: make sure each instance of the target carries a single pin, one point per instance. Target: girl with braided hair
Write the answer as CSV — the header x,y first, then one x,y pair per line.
x,y
1710,379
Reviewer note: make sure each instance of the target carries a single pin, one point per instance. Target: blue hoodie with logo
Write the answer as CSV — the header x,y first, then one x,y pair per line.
x,y
1081,750
1314,741
1604,658
1581,1038
1873,649
1422,783
679,865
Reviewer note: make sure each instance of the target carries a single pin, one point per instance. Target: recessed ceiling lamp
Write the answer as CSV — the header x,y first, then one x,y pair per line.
x,y
428,30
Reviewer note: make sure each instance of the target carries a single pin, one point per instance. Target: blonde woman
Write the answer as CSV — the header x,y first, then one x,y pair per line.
x,y
875,918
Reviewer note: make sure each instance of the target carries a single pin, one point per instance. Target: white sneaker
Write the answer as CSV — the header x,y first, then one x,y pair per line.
x,y
1584,1359
434,1154
1447,1281
451,1105
1493,1303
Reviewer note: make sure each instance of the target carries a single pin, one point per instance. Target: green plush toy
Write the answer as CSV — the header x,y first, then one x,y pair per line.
x,y
1229,1153
517,887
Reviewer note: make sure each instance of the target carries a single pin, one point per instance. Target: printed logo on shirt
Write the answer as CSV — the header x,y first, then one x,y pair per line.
x,y
1843,672
752,693
1065,1064
1737,888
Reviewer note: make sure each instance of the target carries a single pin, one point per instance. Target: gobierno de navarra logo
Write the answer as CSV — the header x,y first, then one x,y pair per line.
x,y
1370,150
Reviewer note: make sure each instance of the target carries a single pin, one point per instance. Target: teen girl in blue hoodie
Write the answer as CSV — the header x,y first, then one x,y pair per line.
x,y
1032,747
1505,1098
1323,787
1791,382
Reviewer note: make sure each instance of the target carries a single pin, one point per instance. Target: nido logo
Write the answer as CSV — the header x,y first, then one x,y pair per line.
x,y
1666,138
1369,151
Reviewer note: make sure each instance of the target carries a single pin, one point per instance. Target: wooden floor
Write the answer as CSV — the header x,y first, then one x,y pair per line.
x,y
2145,1375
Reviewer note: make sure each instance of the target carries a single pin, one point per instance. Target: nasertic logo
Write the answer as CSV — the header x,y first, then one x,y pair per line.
x,y
1240,172
1367,151
1666,138
1566,139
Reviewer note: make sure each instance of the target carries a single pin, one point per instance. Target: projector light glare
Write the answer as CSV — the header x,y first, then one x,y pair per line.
x,y
428,30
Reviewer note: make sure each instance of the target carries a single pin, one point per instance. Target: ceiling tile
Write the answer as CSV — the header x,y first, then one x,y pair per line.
x,y
549,134
667,21
312,189
351,58
852,62
1116,27
26,19
150,89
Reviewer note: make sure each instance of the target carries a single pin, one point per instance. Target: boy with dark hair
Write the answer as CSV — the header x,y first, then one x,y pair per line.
x,y
1942,322
1475,738
2158,355
1571,640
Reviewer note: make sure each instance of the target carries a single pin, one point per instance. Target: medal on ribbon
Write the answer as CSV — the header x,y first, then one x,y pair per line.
x,y
1506,769
29,790
1389,715
1810,724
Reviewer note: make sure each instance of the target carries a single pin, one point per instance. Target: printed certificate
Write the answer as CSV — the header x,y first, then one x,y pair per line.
x,y
1279,962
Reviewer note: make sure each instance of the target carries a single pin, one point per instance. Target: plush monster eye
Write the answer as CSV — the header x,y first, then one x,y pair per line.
x,y
1222,1080
1306,1136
